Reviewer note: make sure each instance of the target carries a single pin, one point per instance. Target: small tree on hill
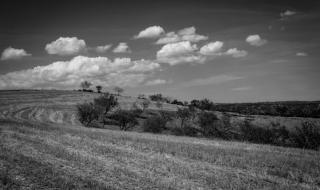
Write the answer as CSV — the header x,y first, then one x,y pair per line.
x,y
126,119
99,88
118,90
106,102
184,114
85,85
87,113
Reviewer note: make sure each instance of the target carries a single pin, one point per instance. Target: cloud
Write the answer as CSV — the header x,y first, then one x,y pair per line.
x,y
301,54
103,49
234,52
256,40
66,46
212,48
180,52
155,82
217,79
287,13
122,48
69,74
243,88
150,32
12,53
186,34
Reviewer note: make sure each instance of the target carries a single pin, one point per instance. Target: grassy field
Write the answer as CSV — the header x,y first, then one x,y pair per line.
x,y
43,146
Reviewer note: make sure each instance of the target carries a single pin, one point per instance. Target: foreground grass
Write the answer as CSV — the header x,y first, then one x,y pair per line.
x,y
35,156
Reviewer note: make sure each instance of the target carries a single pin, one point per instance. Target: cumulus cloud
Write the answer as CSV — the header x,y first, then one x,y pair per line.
x,y
69,74
212,48
301,54
150,32
122,48
103,49
287,13
12,53
66,46
180,52
256,40
234,52
185,52
217,79
155,82
186,34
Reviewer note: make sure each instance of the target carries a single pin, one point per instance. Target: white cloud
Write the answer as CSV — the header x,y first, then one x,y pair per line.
x,y
150,32
155,82
217,79
66,46
287,13
243,88
256,40
234,52
103,49
186,34
180,52
68,74
301,54
12,53
122,48
212,48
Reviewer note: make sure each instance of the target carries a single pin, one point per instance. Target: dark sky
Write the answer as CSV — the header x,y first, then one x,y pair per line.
x,y
283,64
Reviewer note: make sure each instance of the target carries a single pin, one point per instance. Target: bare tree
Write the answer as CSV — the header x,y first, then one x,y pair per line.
x,y
118,90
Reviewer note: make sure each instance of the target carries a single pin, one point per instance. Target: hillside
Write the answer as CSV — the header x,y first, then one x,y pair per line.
x,y
43,146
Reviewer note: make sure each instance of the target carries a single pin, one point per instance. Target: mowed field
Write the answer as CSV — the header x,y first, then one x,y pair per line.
x,y
43,146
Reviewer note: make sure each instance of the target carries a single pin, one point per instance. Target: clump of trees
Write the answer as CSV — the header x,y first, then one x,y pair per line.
x,y
85,85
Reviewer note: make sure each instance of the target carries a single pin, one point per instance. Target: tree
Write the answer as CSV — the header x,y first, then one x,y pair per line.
x,y
99,87
106,102
87,113
118,90
85,85
126,119
184,114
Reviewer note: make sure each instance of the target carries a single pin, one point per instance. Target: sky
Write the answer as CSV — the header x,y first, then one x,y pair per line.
x,y
227,51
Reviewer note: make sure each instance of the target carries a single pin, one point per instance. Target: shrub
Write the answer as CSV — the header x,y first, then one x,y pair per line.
x,y
106,102
154,124
275,134
87,113
187,130
206,123
126,119
308,136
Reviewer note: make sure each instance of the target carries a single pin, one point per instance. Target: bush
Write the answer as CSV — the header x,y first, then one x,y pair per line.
x,y
156,124
274,135
206,123
308,136
126,119
106,102
87,113
187,130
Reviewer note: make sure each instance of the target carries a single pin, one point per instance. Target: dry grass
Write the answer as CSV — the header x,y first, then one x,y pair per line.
x,y
40,153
